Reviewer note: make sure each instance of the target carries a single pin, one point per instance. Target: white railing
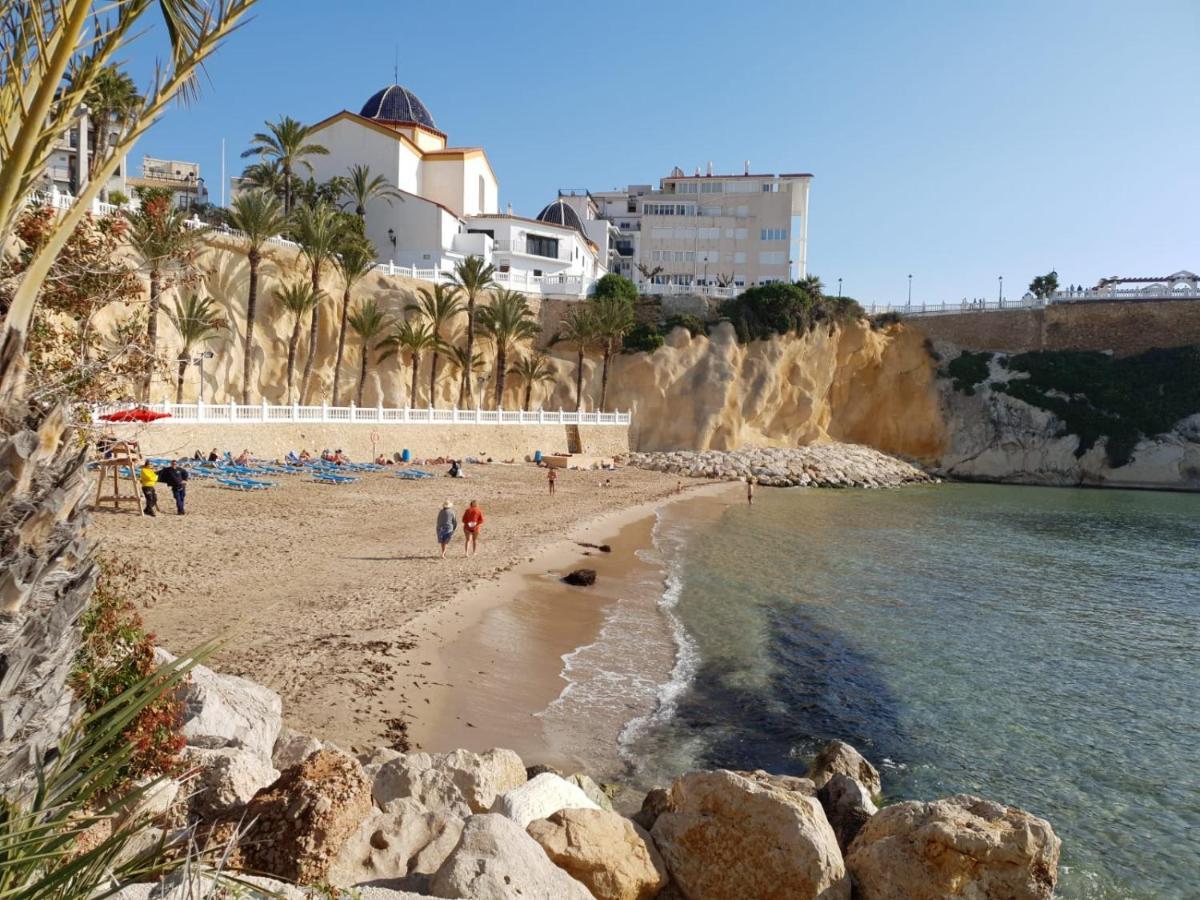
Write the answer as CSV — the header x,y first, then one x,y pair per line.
x,y
698,290
1091,295
239,414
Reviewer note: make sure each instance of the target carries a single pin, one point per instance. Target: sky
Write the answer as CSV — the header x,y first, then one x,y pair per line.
x,y
954,141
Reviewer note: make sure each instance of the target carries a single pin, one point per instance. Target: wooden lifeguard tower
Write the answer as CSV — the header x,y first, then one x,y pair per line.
x,y
124,487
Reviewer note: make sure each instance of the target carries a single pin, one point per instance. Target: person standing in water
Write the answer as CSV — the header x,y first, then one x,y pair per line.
x,y
750,489
472,521
551,477
447,524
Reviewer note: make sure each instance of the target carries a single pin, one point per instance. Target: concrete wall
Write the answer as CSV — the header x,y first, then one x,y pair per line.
x,y
498,441
1124,327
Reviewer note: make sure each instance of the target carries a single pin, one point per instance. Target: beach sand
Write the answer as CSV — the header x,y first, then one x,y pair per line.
x,y
335,596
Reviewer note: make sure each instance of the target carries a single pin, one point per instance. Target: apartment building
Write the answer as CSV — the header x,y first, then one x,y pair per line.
x,y
706,234
69,167
182,178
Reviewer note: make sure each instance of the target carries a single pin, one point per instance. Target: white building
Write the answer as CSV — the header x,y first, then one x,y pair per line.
x,y
182,178
707,234
449,206
68,168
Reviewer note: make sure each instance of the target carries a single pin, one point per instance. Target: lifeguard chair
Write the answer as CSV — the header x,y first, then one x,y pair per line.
x,y
124,486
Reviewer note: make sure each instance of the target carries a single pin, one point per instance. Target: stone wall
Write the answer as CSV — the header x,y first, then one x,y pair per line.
x,y
1125,327
274,440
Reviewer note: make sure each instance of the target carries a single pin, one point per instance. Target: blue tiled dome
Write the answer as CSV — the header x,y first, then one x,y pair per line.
x,y
397,104
559,213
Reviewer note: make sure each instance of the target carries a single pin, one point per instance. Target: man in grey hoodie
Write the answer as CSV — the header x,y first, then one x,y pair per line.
x,y
447,524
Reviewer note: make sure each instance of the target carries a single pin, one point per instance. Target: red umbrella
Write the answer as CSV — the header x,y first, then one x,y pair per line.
x,y
137,414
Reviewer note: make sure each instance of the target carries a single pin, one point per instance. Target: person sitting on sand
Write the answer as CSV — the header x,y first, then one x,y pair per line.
x,y
455,470
305,456
244,458
472,521
339,457
213,455
447,524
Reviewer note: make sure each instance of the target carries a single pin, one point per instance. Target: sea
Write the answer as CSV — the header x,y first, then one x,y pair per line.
x,y
1036,646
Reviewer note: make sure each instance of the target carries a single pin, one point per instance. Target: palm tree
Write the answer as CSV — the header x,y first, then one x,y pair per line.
x,y
413,340
265,176
532,369
579,328
356,259
298,299
440,307
286,141
359,188
368,322
112,100
259,216
614,319
507,322
458,358
196,319
811,285
473,276
160,236
319,232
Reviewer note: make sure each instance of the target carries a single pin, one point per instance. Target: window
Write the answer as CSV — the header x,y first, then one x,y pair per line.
x,y
712,187
740,256
537,273
773,234
710,211
662,233
772,258
685,187
743,211
540,245
710,256
669,209
504,267
770,187
708,234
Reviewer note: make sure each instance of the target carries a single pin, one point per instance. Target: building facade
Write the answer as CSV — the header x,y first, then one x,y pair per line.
x,y
183,179
68,169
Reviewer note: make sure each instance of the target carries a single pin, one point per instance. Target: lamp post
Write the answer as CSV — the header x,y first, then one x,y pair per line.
x,y
392,238
1000,296
839,289
910,290
199,361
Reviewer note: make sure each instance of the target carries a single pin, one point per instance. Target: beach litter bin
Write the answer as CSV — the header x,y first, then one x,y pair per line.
x,y
537,456
405,455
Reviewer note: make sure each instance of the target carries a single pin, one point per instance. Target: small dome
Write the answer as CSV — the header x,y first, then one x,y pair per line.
x,y
397,104
559,213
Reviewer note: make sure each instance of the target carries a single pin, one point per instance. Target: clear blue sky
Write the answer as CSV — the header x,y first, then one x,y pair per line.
x,y
954,141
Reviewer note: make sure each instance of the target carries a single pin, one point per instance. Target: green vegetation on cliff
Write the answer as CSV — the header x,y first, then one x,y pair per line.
x,y
770,309
968,370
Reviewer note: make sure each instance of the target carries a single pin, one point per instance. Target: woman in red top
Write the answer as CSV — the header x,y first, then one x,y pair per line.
x,y
472,522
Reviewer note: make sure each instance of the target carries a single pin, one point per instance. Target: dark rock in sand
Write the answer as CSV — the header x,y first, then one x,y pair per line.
x,y
581,577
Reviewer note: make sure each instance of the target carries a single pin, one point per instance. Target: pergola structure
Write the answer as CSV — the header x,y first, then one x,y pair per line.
x,y
1171,282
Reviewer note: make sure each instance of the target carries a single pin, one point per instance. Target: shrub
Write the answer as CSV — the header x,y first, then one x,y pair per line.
x,y
770,309
684,320
883,320
642,338
968,369
116,654
613,285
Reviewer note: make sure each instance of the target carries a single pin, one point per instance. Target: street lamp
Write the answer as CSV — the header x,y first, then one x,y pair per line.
x,y
199,361
1000,296
839,289
480,380
910,290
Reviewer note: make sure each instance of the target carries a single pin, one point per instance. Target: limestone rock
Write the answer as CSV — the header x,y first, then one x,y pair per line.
x,y
540,798
374,760
532,772
496,860
654,804
594,792
728,836
847,806
406,843
610,855
581,577
159,796
803,786
838,756
293,748
227,711
226,778
461,781
299,825
961,846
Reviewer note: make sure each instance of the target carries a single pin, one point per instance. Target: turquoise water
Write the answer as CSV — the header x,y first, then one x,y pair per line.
x,y
1037,646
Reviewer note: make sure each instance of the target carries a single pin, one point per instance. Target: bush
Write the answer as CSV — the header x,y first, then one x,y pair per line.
x,y
968,369
116,654
613,285
883,320
643,338
761,312
684,320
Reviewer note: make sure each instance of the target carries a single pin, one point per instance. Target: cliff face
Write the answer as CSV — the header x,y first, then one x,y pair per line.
x,y
846,383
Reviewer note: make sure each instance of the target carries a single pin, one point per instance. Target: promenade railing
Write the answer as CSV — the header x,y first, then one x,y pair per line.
x,y
1089,295
260,413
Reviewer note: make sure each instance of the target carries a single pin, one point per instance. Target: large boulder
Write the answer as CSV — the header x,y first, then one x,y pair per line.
x,y
724,835
450,781
496,860
594,792
227,711
654,804
847,807
611,856
961,846
838,756
293,748
541,798
299,825
226,778
406,844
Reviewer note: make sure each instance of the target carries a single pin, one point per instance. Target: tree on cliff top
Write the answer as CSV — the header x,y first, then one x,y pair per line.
x,y
613,285
766,310
1044,285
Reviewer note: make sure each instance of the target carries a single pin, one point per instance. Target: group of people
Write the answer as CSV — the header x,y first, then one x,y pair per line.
x,y
447,524
173,475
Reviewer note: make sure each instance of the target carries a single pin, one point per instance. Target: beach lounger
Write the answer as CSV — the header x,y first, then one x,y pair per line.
x,y
330,478
244,484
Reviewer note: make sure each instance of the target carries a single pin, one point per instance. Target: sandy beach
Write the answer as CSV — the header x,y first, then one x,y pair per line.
x,y
336,598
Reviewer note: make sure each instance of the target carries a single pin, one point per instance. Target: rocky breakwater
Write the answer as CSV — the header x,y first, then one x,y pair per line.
x,y
817,465
386,825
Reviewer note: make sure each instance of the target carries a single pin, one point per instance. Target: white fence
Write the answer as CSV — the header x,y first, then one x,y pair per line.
x,y
238,414
1091,295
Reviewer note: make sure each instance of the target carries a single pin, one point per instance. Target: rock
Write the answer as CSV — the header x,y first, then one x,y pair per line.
x,y
376,759
496,860
461,782
654,804
227,711
727,836
838,756
581,577
847,806
293,748
532,772
159,795
610,855
299,824
591,790
405,843
197,884
961,846
226,779
789,783
540,798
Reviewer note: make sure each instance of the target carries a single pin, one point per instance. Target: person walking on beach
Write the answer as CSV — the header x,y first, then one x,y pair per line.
x,y
447,524
472,521
176,478
551,477
148,480
750,489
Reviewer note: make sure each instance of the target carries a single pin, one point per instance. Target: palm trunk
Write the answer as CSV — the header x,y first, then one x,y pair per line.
x,y
287,189
251,311
579,381
152,331
362,374
604,377
314,336
462,385
466,382
183,362
291,361
432,381
528,394
412,390
501,366
341,347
